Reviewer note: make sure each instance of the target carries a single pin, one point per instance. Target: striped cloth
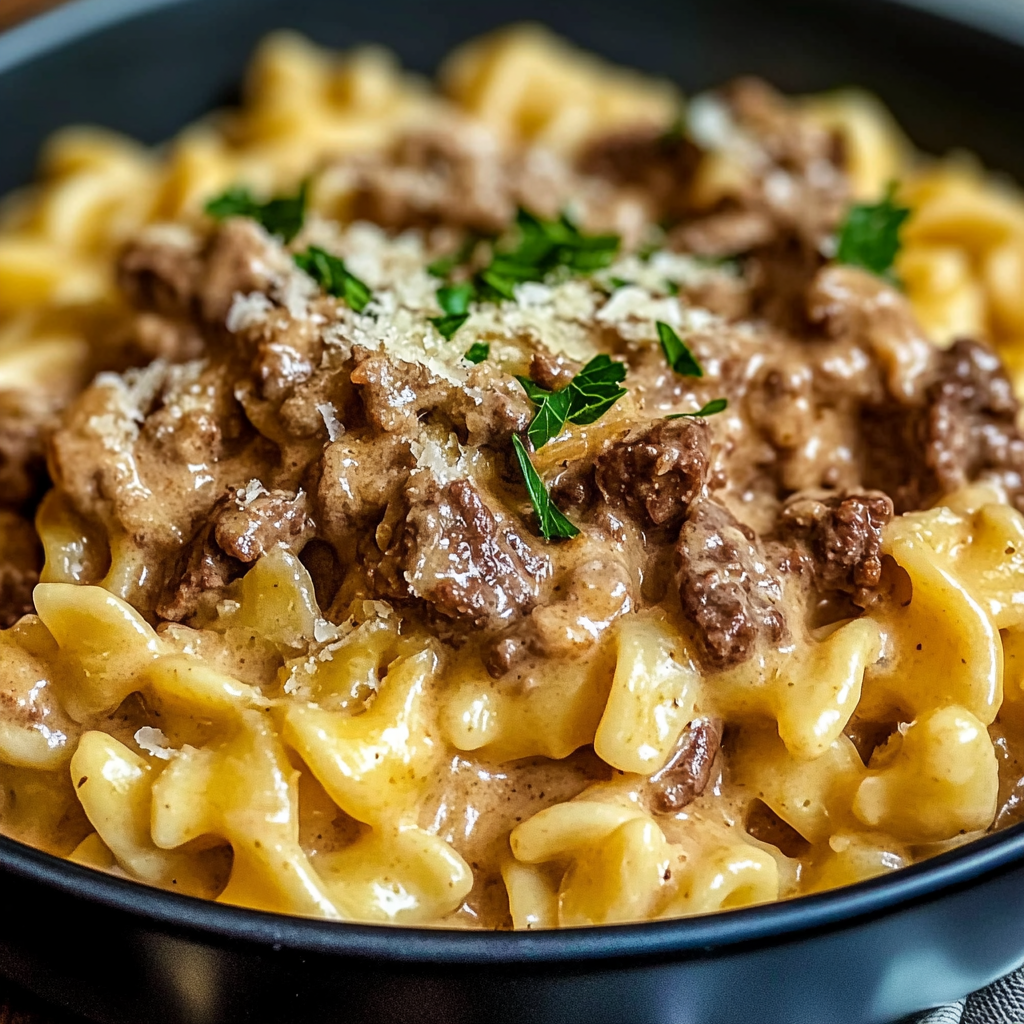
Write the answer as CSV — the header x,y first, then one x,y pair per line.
x,y
1000,1003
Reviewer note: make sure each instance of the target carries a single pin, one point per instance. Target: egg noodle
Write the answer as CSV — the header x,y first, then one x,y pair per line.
x,y
355,751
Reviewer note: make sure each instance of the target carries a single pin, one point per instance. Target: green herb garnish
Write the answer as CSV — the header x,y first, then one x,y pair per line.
x,y
282,215
552,522
454,300
331,274
595,389
549,419
477,352
448,325
870,235
679,357
541,246
715,405
587,397
544,246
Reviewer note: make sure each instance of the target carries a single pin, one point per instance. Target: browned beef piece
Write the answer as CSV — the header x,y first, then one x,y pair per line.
x,y
788,138
551,371
965,427
20,562
728,232
396,394
688,770
160,275
972,421
726,585
792,201
358,478
572,483
24,422
655,472
182,279
780,275
658,164
155,337
204,569
237,533
841,537
237,259
437,177
449,550
490,409
248,531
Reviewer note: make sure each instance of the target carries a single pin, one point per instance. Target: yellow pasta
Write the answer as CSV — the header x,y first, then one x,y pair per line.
x,y
272,727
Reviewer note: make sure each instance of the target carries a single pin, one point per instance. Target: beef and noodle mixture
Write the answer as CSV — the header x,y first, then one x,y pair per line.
x,y
536,501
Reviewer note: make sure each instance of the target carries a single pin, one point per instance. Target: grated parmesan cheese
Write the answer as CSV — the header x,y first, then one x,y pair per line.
x,y
248,311
154,742
335,428
254,489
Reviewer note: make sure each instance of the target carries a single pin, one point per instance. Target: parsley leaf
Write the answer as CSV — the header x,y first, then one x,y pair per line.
x,y
709,409
549,419
595,389
679,357
331,274
552,522
534,391
543,246
282,215
477,352
454,300
448,325
235,202
870,235
587,397
540,247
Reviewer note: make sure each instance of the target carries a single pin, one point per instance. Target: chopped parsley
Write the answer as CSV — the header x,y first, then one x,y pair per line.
x,y
679,357
331,274
541,247
477,352
454,300
870,235
709,409
552,522
282,215
587,397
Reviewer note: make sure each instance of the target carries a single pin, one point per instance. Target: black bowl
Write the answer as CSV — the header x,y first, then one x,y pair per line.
x,y
120,952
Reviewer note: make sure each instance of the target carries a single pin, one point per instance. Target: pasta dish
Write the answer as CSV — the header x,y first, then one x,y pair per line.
x,y
533,501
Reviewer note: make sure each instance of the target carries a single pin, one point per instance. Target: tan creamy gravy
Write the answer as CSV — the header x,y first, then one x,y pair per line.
x,y
475,804
366,446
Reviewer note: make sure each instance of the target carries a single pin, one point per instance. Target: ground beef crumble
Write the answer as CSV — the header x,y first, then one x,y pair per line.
x,y
399,472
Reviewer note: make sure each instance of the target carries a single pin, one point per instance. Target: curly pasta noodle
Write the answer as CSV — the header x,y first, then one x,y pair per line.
x,y
324,751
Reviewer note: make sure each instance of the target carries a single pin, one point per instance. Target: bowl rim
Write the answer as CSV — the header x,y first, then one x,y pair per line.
x,y
794,919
